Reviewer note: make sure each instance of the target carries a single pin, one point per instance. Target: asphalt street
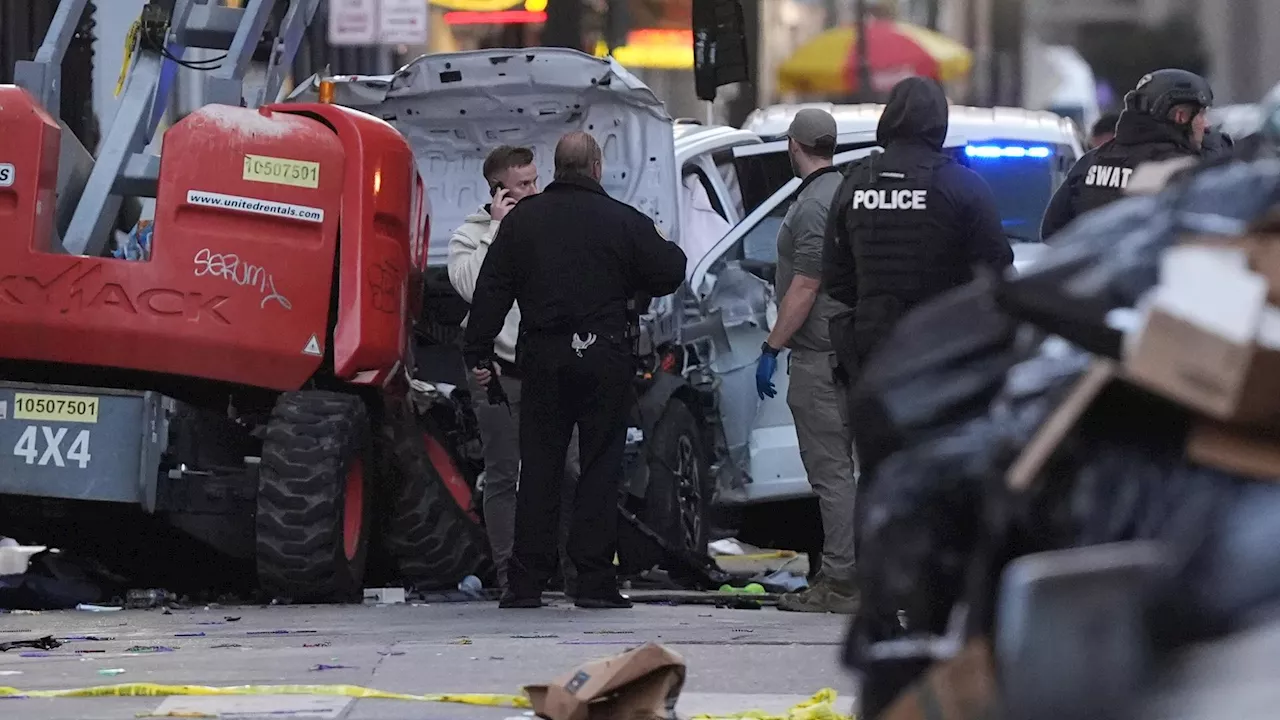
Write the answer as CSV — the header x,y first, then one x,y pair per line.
x,y
737,660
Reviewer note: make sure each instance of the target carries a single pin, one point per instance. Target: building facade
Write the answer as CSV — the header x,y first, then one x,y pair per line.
x,y
1237,34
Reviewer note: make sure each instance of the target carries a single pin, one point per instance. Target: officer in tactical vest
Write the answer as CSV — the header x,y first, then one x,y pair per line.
x,y
1164,118
906,225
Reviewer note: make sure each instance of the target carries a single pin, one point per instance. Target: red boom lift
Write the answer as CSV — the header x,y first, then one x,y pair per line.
x,y
246,379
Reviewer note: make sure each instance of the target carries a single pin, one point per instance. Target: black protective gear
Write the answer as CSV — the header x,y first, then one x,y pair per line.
x,y
905,225
1144,134
1159,92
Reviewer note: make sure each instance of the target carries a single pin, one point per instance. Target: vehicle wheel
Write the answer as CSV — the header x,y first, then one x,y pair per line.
x,y
678,495
436,542
314,488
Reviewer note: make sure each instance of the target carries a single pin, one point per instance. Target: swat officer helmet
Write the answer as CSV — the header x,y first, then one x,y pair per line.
x,y
1159,92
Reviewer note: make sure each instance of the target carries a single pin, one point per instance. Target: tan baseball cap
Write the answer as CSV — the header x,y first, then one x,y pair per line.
x,y
813,128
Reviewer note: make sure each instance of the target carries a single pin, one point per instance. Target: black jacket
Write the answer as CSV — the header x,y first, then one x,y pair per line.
x,y
931,221
1100,177
573,257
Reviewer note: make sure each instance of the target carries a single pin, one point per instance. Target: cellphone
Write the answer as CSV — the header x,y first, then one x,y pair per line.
x,y
497,187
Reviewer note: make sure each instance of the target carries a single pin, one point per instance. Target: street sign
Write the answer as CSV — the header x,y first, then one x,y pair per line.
x,y
378,22
402,22
353,22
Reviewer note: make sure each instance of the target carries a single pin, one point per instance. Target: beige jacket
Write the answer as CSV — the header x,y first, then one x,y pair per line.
x,y
467,248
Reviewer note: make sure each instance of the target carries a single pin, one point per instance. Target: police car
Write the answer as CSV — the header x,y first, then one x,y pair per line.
x,y
1024,155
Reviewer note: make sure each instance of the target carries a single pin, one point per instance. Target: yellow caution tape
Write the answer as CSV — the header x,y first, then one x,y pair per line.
x,y
130,45
819,707
353,691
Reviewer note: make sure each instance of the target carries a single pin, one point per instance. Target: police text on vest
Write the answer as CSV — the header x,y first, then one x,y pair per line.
x,y
1108,176
890,199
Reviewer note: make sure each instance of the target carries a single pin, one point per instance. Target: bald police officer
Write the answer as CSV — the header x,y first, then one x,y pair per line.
x,y
573,258
826,443
907,225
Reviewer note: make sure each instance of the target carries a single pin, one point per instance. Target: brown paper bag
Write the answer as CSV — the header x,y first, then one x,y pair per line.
x,y
640,684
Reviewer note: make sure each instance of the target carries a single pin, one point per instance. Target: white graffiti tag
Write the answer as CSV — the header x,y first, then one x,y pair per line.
x,y
230,267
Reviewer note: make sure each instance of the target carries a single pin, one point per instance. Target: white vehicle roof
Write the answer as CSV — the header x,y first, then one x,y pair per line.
x,y
967,124
455,107
693,139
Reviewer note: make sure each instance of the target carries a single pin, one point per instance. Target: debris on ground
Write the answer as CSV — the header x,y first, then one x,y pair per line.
x,y
783,581
384,596
317,668
87,607
748,589
111,671
642,682
472,586
731,546
148,599
47,642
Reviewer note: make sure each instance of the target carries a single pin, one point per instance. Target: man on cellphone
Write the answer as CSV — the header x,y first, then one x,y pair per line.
x,y
512,176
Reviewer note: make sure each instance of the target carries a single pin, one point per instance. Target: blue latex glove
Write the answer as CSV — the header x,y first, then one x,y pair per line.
x,y
764,375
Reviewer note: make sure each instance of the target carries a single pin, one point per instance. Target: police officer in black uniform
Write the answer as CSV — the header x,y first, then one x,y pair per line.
x,y
1164,118
573,258
906,225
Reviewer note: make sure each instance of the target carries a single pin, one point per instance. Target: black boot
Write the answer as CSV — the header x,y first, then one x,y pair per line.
x,y
510,601
616,601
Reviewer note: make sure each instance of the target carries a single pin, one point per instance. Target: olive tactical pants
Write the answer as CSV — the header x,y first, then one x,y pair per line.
x,y
817,404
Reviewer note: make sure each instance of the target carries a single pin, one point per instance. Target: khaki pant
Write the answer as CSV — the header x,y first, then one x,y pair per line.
x,y
826,448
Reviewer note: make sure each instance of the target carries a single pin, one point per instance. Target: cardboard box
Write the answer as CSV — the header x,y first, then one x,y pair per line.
x,y
1261,251
640,684
1210,341
1251,453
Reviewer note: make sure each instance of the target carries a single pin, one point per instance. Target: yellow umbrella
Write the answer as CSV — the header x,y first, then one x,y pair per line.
x,y
824,65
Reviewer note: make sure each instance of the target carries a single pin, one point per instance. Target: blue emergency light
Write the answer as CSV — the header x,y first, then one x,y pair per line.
x,y
991,152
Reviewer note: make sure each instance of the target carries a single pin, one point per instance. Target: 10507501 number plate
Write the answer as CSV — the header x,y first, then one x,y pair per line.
x,y
55,408
81,443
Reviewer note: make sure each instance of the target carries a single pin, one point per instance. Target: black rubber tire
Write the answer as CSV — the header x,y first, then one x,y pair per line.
x,y
435,542
312,439
677,511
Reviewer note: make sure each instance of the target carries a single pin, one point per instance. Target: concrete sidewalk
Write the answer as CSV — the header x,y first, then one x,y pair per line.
x,y
737,659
